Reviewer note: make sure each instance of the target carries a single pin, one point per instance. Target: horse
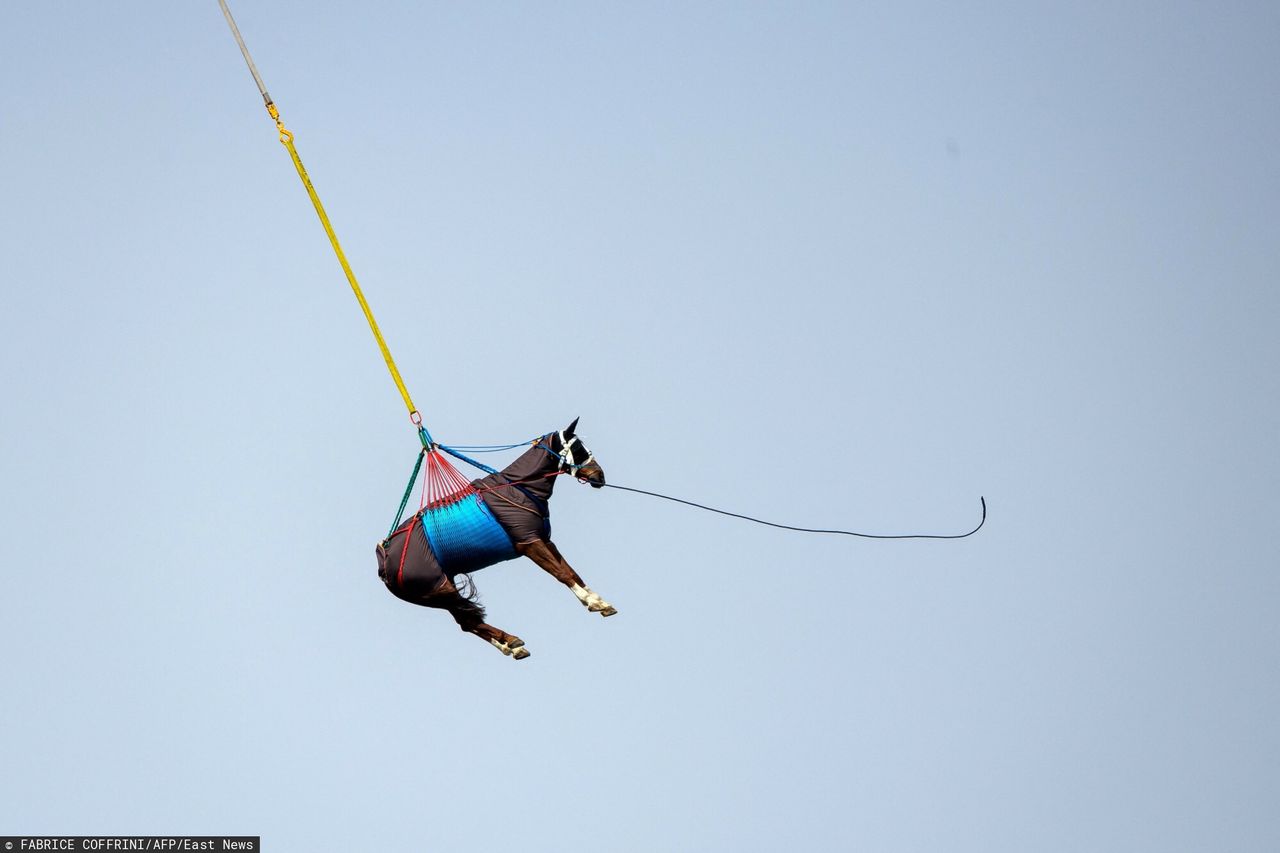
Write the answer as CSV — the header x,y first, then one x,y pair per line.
x,y
518,497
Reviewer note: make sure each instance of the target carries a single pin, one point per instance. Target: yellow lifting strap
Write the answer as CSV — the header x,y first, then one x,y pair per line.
x,y
286,139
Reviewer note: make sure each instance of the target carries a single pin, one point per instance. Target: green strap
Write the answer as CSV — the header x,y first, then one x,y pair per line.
x,y
408,490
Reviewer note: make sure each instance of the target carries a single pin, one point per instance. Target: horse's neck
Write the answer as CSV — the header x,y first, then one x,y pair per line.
x,y
534,468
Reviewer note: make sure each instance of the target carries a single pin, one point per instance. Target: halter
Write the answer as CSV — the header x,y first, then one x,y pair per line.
x,y
565,456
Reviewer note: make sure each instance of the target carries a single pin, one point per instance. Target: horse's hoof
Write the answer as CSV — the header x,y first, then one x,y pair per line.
x,y
596,604
599,605
515,647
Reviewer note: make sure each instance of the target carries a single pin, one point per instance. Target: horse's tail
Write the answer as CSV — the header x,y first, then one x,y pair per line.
x,y
462,603
467,588
467,608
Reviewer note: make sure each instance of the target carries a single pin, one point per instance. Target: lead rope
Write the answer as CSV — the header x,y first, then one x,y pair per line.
x,y
286,139
808,529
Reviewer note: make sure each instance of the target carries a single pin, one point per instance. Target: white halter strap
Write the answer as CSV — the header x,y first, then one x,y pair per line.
x,y
566,454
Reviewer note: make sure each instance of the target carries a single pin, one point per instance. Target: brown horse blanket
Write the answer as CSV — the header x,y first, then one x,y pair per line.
x,y
517,496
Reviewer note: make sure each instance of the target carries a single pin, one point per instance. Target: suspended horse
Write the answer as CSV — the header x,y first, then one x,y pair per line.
x,y
462,527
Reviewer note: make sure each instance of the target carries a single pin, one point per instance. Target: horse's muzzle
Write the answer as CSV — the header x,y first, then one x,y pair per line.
x,y
592,475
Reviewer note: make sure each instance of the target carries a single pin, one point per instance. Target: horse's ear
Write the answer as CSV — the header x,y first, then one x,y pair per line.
x,y
571,427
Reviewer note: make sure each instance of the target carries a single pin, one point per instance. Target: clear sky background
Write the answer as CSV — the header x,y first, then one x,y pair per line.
x,y
833,264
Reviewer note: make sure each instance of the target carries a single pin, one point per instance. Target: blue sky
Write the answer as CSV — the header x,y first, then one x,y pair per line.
x,y
831,264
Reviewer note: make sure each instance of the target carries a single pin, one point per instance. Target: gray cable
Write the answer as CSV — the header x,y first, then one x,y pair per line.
x,y
809,529
253,69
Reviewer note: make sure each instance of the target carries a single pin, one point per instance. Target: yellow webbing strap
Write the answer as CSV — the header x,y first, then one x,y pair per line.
x,y
286,138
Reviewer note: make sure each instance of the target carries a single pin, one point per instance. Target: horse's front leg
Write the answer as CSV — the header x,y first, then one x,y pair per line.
x,y
549,558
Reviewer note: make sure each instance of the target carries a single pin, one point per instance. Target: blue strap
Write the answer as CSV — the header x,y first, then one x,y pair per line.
x,y
537,501
456,455
491,448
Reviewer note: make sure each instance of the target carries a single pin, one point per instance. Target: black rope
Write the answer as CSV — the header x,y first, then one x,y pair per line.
x,y
810,529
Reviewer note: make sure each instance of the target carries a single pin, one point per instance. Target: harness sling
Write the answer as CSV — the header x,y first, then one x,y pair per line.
x,y
462,531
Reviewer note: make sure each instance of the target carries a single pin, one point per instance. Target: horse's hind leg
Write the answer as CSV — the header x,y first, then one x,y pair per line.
x,y
549,558
508,644
470,618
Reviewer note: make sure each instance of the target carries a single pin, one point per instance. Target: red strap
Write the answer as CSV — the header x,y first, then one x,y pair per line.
x,y
404,552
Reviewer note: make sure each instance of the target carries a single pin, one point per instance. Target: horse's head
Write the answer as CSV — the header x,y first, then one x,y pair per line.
x,y
575,458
